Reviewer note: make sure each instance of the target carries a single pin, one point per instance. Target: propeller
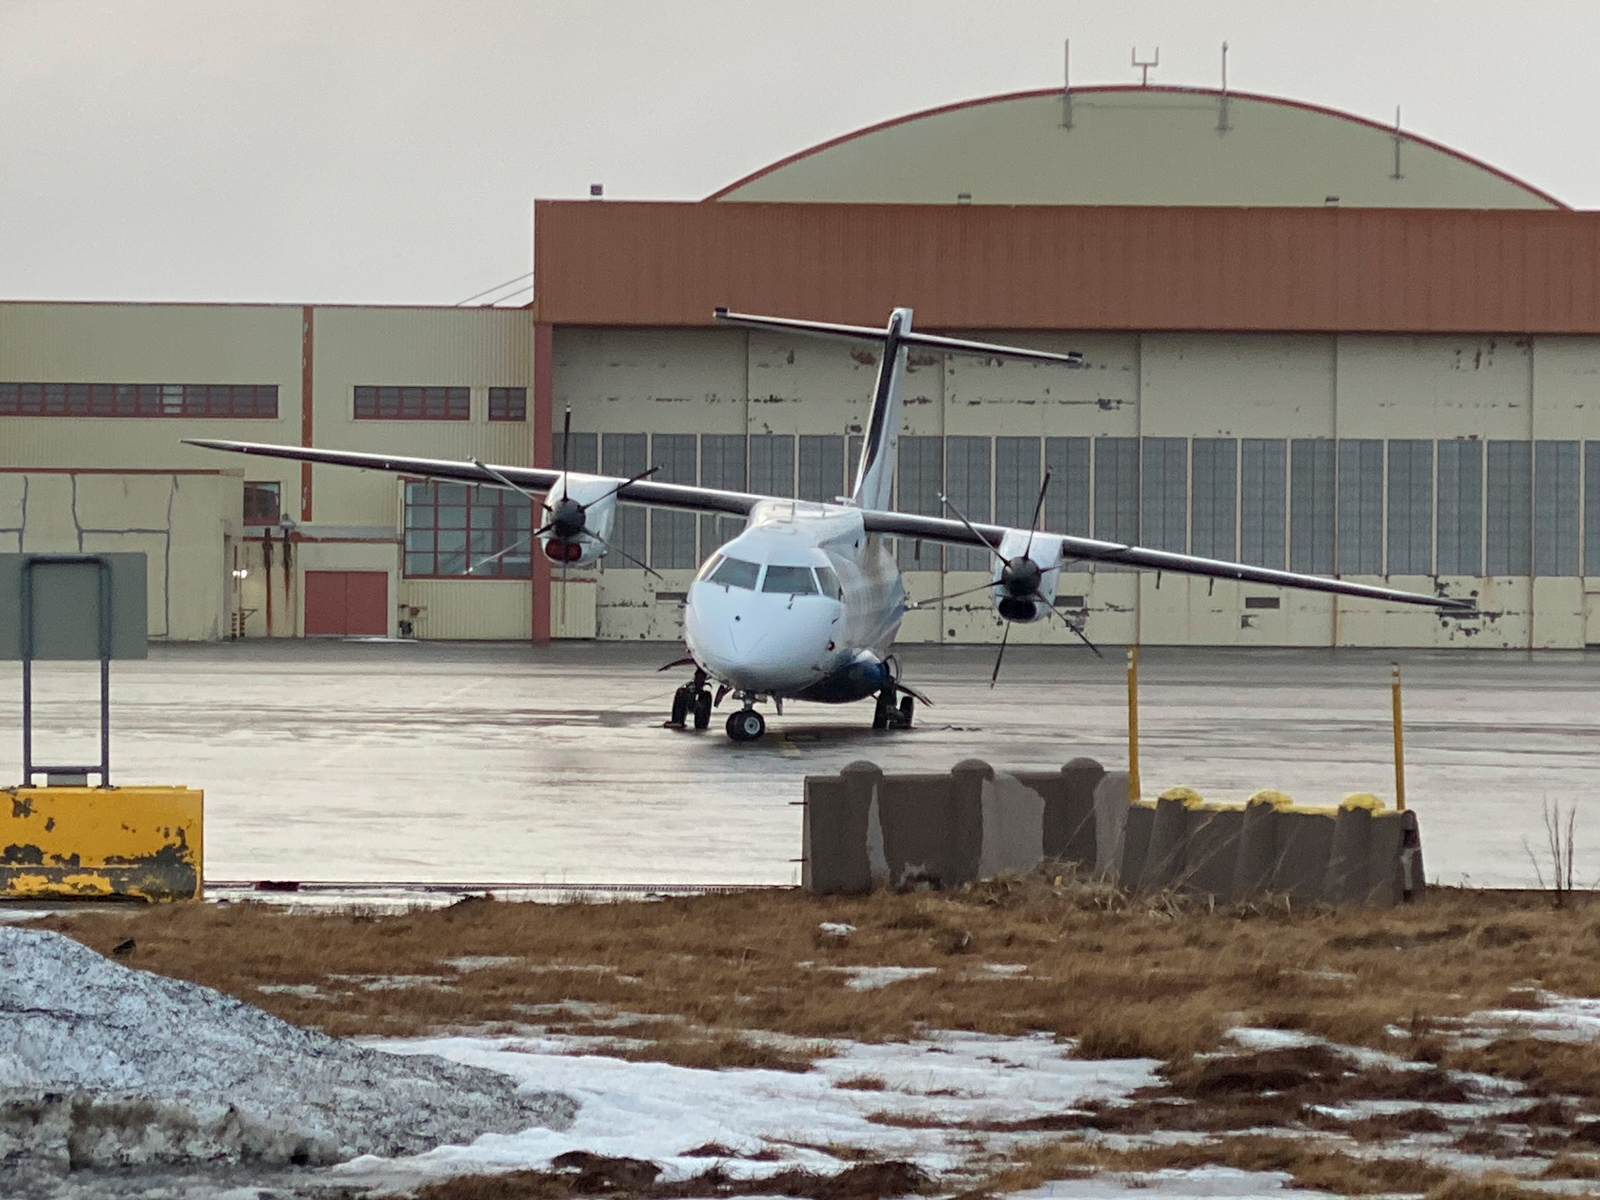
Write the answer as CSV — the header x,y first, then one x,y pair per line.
x,y
1020,578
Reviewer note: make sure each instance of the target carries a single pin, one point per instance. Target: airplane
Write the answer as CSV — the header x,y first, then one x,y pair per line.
x,y
805,603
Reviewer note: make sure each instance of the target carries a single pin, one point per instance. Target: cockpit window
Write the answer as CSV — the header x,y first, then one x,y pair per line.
x,y
708,568
830,583
793,581
735,572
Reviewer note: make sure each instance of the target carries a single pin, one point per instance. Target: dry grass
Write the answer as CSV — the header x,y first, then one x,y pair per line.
x,y
1127,978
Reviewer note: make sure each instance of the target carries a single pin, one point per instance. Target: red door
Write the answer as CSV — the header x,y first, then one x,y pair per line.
x,y
345,603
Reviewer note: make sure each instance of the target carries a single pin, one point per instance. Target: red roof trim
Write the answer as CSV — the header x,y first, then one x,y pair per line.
x,y
1102,90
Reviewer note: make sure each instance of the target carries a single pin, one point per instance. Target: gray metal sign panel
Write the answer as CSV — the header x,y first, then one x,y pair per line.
x,y
63,595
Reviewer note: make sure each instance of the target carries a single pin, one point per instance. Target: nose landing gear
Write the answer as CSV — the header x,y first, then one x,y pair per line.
x,y
746,725
692,700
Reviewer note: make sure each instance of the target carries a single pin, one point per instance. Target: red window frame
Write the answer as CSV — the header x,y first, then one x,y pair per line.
x,y
225,401
484,522
385,403
508,404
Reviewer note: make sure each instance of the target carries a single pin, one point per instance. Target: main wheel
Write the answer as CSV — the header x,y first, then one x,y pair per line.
x,y
907,707
702,708
882,713
746,725
680,707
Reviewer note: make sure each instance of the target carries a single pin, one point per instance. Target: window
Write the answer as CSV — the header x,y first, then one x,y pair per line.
x,y
920,478
1509,493
1360,506
585,450
1066,505
1591,508
1116,489
454,529
413,403
672,533
967,484
1164,520
721,466
624,455
772,464
1016,480
792,581
736,572
821,466
1263,501
508,404
1460,523
1555,508
262,502
1312,494
1216,468
829,583
234,400
1410,507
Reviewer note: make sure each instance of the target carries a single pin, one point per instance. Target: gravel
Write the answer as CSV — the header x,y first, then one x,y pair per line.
x,y
106,1067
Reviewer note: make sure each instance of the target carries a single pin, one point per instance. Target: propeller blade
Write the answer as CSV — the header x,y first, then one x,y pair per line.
x,y
625,554
982,541
1037,509
1083,637
502,480
566,449
1000,656
521,541
982,587
645,474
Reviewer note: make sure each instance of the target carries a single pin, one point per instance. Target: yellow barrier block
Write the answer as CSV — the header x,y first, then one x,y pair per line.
x,y
1189,797
132,843
1364,800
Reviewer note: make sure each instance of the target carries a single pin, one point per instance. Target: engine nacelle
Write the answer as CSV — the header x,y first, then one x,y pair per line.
x,y
580,511
1025,583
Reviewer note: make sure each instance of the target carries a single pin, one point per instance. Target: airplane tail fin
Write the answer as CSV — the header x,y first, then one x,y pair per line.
x,y
880,447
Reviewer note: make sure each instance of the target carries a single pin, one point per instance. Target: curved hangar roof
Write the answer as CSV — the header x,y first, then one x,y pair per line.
x,y
1136,146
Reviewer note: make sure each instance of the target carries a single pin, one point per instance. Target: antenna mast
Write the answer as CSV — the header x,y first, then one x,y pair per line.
x,y
1066,85
1144,67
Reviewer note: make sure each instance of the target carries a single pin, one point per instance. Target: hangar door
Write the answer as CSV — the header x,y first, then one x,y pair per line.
x,y
347,602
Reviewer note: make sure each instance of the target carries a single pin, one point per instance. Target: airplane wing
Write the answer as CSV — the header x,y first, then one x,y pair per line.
x,y
907,525
1081,549
534,479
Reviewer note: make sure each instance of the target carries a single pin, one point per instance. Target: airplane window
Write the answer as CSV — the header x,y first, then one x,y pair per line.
x,y
735,572
830,583
794,581
709,568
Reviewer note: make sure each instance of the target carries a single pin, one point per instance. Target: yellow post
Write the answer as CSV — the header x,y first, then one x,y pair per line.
x,y
1133,723
1399,741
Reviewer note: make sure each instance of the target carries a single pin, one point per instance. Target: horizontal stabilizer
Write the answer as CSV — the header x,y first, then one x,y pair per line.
x,y
865,333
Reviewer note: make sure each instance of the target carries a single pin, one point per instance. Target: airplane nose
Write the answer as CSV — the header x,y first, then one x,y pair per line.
x,y
760,641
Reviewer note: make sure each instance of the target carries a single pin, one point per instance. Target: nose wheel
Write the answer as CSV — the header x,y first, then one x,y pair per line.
x,y
746,725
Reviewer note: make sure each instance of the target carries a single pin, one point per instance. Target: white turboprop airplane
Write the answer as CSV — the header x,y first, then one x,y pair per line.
x,y
805,603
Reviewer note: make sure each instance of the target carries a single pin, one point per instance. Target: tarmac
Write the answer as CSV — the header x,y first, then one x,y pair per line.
x,y
481,763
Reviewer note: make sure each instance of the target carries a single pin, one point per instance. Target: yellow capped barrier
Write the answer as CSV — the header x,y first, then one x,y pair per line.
x,y
79,843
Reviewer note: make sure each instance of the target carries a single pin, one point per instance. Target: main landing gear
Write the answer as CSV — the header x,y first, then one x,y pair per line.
x,y
890,716
692,700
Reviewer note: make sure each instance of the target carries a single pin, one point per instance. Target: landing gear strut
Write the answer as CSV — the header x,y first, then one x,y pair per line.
x,y
692,700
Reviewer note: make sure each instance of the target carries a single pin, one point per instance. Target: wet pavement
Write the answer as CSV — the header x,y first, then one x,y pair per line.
x,y
487,763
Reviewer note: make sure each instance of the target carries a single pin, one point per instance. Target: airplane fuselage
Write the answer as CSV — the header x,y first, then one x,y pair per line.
x,y
804,604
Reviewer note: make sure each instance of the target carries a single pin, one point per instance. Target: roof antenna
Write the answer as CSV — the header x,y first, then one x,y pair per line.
x,y
1398,138
1222,104
1144,67
1066,85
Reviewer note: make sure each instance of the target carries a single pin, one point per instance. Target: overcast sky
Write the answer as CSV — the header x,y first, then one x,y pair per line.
x,y
389,152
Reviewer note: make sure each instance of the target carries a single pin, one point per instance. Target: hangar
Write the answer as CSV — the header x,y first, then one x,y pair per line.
x,y
1312,341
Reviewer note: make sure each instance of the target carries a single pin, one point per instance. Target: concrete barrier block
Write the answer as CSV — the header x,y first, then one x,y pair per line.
x,y
964,846
1070,822
1303,844
834,835
1169,839
1136,829
1212,856
1111,806
1257,855
1013,827
1353,876
131,843
916,814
